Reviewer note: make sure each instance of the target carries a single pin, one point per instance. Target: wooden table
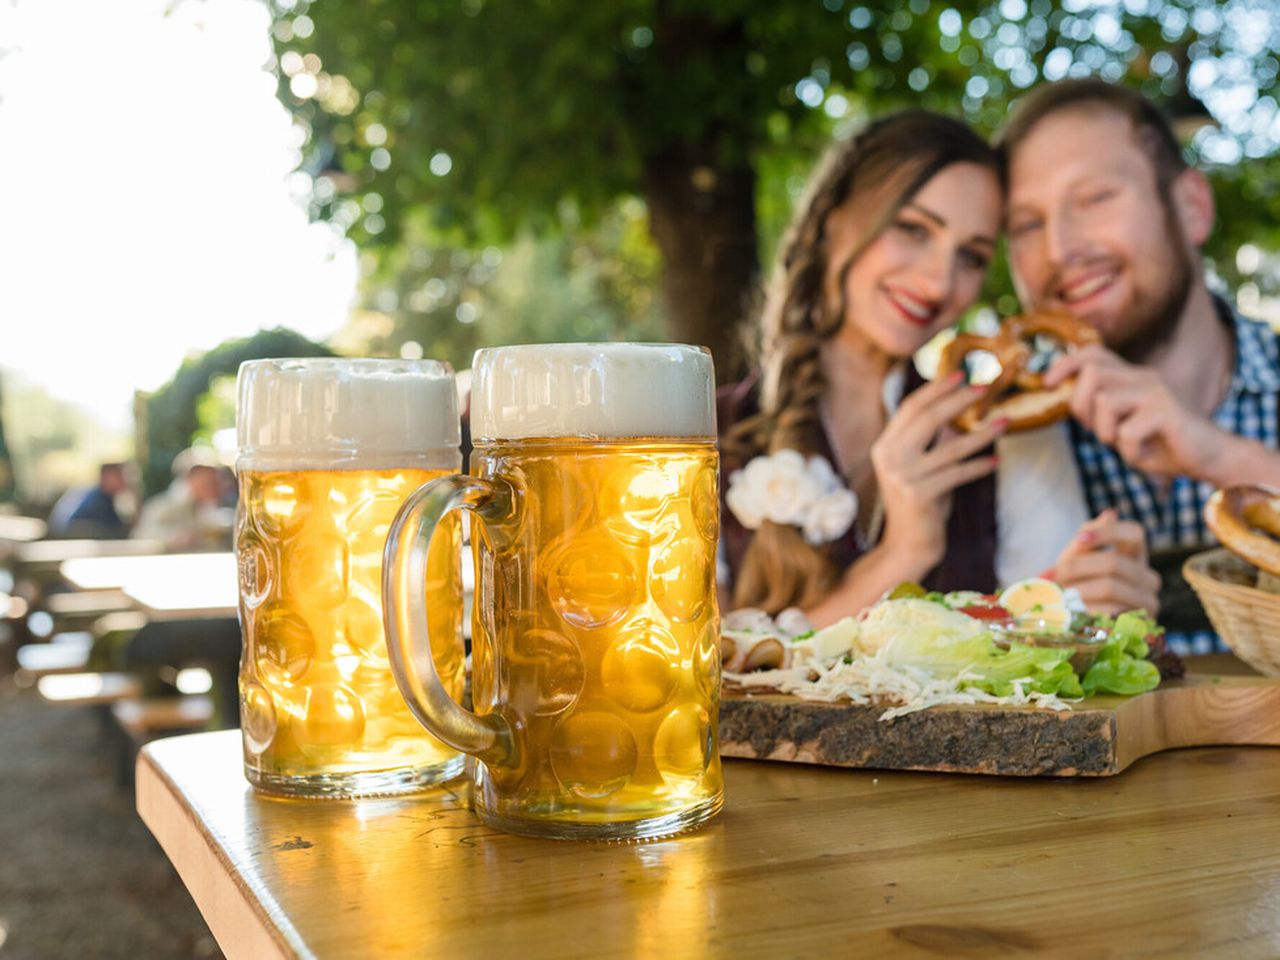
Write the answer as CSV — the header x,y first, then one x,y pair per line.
x,y
1179,856
165,586
16,529
51,553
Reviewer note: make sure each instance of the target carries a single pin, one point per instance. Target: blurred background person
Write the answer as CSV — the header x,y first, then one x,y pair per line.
x,y
191,514
92,512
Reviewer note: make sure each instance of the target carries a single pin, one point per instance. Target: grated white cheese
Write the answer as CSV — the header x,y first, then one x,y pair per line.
x,y
870,680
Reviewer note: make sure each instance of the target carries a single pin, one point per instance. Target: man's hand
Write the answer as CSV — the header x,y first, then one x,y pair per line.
x,y
1132,409
1107,562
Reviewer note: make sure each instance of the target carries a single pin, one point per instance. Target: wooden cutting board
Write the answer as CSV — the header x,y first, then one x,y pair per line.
x,y
1099,737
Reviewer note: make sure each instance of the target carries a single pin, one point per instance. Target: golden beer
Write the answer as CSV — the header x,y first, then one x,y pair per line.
x,y
604,595
329,451
595,639
318,700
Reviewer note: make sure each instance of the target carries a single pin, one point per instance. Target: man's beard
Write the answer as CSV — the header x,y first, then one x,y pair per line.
x,y
1155,316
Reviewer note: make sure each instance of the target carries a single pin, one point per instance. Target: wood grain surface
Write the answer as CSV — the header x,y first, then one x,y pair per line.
x,y
1179,857
1098,737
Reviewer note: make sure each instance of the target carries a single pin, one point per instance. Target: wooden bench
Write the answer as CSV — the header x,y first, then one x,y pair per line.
x,y
120,621
81,608
65,653
147,719
141,721
89,689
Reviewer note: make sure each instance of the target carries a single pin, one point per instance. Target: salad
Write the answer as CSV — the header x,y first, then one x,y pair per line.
x,y
1032,644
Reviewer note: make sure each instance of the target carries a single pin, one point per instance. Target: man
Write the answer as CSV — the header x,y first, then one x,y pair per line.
x,y
91,512
1106,221
189,515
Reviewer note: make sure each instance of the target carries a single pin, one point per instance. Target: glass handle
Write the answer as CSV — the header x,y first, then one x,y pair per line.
x,y
404,603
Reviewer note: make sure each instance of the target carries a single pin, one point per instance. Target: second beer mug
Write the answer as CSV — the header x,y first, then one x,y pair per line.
x,y
596,664
329,450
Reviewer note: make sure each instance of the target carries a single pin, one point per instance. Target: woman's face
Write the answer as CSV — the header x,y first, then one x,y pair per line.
x,y
924,269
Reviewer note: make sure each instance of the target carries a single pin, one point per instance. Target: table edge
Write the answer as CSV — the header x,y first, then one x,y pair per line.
x,y
236,918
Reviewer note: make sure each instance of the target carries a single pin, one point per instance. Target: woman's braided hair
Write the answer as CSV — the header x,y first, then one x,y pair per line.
x,y
880,169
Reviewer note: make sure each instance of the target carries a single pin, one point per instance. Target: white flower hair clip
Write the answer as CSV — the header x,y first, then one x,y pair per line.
x,y
787,489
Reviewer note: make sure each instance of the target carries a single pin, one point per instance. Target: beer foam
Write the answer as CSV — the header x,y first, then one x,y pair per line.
x,y
347,414
607,390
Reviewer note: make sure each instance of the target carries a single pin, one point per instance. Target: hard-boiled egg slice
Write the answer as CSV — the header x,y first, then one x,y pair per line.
x,y
1033,596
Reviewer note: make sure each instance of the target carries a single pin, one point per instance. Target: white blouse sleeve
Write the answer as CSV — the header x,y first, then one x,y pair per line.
x,y
1040,501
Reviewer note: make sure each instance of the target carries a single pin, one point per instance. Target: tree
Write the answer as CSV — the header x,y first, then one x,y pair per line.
x,y
471,122
570,284
8,482
171,414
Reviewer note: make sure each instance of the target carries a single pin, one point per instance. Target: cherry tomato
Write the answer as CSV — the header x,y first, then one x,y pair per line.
x,y
986,611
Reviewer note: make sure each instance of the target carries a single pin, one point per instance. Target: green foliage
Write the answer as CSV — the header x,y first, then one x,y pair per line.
x,y
173,411
53,444
216,408
574,284
461,124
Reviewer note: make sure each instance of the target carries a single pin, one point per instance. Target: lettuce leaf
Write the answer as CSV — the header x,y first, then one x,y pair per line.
x,y
1122,666
941,650
990,668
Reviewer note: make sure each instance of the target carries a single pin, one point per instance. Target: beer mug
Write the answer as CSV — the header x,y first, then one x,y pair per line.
x,y
329,449
595,639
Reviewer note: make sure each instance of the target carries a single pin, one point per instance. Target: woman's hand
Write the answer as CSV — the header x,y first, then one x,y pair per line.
x,y
919,460
1107,562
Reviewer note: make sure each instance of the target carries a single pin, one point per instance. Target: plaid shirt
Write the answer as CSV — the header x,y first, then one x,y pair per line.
x,y
1173,516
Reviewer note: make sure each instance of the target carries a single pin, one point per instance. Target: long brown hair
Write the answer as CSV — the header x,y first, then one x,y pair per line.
x,y
881,168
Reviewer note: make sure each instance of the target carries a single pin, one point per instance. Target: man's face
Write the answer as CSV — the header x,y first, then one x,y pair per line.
x,y
112,481
203,484
1090,233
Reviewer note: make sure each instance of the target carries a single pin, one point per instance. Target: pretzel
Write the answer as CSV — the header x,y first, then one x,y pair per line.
x,y
1018,394
1246,520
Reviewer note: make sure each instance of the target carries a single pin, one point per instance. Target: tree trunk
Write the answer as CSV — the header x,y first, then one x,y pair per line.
x,y
703,219
8,483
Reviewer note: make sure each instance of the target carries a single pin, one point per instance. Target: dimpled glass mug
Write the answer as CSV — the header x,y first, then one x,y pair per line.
x,y
329,450
595,661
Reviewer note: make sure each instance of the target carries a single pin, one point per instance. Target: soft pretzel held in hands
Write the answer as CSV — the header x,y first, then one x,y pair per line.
x,y
1018,395
1246,520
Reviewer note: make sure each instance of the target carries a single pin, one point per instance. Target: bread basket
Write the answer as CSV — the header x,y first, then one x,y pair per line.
x,y
1247,618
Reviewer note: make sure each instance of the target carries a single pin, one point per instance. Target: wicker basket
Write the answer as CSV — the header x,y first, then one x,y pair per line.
x,y
1247,618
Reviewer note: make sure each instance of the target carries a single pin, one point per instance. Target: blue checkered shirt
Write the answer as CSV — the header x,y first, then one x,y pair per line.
x,y
1174,516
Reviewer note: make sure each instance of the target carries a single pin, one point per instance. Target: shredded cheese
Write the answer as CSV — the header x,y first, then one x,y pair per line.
x,y
868,680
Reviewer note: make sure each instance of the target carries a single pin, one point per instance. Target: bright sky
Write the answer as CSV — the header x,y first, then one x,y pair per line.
x,y
146,171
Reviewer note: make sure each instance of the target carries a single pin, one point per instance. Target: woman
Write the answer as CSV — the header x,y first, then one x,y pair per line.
x,y
890,245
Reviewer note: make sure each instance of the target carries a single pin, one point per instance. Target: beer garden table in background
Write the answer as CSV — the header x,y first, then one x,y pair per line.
x,y
190,602
1178,856
15,531
165,586
47,554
